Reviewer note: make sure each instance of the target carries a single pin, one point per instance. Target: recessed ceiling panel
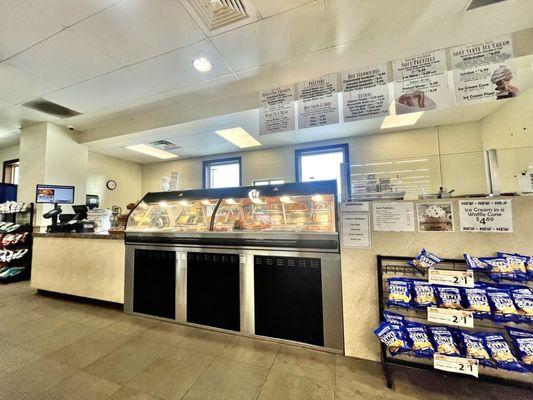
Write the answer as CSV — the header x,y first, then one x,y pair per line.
x,y
268,8
68,12
19,86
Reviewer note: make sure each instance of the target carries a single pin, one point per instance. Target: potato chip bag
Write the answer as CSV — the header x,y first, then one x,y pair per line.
x,y
518,264
393,337
474,346
501,353
399,292
449,297
443,340
424,260
523,300
476,300
475,264
423,294
501,303
523,343
393,318
419,340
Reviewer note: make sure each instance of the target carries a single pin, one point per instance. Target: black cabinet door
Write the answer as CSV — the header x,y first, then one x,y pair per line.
x,y
213,296
154,283
288,298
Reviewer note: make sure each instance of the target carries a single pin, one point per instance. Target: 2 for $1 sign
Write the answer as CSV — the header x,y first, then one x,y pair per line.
x,y
495,216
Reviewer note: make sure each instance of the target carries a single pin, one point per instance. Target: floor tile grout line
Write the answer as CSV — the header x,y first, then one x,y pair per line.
x,y
198,378
268,374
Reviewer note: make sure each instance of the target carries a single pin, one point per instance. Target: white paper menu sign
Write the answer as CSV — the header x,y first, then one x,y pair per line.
x,y
421,82
458,365
318,102
276,112
355,230
493,216
484,71
394,216
365,93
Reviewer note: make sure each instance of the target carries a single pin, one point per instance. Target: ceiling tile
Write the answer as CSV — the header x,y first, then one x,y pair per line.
x,y
19,86
21,26
64,59
175,69
107,90
135,30
267,8
294,32
68,12
23,116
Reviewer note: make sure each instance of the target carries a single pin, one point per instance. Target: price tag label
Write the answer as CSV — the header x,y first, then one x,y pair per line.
x,y
458,365
451,278
451,317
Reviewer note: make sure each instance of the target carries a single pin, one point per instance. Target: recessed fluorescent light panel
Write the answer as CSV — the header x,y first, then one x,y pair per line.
x,y
396,121
152,151
239,137
202,64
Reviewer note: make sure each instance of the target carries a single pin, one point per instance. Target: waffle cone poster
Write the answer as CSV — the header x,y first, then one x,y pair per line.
x,y
484,71
421,83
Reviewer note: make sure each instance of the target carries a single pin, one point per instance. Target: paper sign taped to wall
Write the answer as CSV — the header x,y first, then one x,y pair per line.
x,y
396,216
492,216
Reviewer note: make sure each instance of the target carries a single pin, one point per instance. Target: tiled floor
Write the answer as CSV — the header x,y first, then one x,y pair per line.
x,y
59,349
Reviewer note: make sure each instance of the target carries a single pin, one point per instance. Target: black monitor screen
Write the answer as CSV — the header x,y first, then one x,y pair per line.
x,y
55,194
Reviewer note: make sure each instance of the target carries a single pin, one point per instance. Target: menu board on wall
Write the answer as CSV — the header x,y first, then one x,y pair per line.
x,y
365,93
483,71
394,216
318,102
276,112
420,83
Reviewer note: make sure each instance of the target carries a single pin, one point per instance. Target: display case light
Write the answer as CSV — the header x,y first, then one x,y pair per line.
x,y
206,202
163,204
317,198
230,201
285,199
184,203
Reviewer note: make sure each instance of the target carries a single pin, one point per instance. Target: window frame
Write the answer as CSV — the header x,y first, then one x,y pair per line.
x,y
344,147
6,164
206,164
269,181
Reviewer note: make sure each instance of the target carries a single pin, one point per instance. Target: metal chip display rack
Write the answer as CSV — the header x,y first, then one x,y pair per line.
x,y
396,266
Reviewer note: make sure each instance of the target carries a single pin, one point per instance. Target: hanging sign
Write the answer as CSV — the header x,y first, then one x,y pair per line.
x,y
394,216
420,83
484,71
276,111
451,278
458,365
450,316
318,102
355,230
365,93
494,216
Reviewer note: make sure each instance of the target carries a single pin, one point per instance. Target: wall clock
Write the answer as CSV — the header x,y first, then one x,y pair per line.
x,y
111,184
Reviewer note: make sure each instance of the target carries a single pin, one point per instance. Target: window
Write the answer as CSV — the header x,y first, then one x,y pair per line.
x,y
321,163
11,172
222,173
264,182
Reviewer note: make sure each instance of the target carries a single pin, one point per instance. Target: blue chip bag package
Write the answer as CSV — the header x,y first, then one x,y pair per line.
x,y
443,340
449,297
474,346
501,304
475,264
523,300
518,264
501,353
523,343
423,294
393,318
504,268
476,300
424,260
529,265
419,341
399,292
393,337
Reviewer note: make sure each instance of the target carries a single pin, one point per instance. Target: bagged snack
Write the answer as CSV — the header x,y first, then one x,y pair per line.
x,y
423,294
523,300
505,268
424,260
443,340
501,303
419,340
523,343
474,346
399,292
476,300
529,265
518,264
393,318
449,297
475,264
501,353
393,337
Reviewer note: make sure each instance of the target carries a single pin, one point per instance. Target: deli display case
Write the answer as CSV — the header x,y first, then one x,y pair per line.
x,y
257,260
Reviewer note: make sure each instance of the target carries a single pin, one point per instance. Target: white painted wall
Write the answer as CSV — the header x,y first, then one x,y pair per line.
x,y
9,153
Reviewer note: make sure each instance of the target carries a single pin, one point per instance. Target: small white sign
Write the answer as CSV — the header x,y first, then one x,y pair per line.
x,y
355,206
276,112
450,316
355,230
458,365
318,102
451,278
396,216
493,216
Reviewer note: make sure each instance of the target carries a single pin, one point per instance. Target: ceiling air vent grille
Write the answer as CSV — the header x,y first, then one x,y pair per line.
x,y
481,3
164,145
51,108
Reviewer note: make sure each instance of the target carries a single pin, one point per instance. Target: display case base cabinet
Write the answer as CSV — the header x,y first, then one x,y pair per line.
x,y
213,290
288,298
154,283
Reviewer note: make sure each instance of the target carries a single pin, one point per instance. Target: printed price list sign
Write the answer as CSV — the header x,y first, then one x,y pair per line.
x,y
451,278
458,365
451,317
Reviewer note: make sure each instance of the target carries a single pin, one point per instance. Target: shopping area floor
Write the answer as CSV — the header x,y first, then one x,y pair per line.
x,y
52,348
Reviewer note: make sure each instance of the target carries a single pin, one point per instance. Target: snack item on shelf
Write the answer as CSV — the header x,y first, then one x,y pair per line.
x,y
501,353
529,266
393,318
523,300
474,346
523,343
443,340
424,260
476,300
393,337
449,297
419,340
399,292
423,294
475,263
501,302
505,268
518,264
